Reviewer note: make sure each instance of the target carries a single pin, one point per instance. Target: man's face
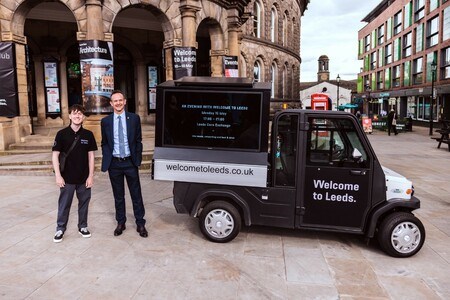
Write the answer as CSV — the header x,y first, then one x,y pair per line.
x,y
118,103
77,117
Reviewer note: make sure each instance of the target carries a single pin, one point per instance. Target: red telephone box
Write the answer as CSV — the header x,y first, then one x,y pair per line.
x,y
320,101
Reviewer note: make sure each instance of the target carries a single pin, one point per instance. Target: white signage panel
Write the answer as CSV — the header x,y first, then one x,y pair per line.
x,y
209,172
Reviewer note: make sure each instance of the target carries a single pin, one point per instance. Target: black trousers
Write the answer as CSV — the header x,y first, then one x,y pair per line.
x,y
119,171
393,127
65,202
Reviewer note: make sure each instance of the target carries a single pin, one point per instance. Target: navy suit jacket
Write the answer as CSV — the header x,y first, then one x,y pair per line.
x,y
134,133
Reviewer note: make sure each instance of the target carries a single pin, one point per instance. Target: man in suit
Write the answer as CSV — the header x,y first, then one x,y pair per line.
x,y
122,155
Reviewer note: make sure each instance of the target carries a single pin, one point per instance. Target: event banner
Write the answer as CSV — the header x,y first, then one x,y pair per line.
x,y
231,66
152,72
8,91
184,62
97,69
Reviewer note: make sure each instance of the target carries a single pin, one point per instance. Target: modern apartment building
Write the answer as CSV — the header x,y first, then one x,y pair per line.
x,y
401,43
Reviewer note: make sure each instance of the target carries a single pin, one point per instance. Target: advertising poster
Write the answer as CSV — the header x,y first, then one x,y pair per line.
x,y
50,73
51,87
231,66
152,72
184,62
53,100
8,92
97,75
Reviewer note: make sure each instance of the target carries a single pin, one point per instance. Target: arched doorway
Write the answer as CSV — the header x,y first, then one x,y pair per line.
x,y
48,27
138,48
210,42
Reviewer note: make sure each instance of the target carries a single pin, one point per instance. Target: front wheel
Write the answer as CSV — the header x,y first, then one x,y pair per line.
x,y
220,221
401,234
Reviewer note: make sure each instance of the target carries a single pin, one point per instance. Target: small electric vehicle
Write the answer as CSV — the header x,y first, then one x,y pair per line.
x,y
317,172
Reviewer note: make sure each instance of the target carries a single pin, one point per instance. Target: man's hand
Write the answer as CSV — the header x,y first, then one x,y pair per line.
x,y
90,182
60,181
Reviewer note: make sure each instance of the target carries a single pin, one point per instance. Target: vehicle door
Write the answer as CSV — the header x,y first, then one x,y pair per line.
x,y
279,203
337,175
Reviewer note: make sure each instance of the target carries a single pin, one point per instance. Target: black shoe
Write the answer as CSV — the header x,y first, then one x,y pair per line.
x,y
58,236
142,231
119,229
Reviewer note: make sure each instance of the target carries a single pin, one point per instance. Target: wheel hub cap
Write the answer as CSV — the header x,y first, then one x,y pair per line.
x,y
405,237
219,223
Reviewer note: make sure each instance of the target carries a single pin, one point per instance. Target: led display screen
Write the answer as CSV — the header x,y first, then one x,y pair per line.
x,y
212,119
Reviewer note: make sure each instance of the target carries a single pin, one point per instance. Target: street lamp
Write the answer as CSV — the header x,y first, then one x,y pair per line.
x,y
369,106
338,79
433,94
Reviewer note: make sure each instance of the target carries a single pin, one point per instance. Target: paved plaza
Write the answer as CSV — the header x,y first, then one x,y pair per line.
x,y
176,262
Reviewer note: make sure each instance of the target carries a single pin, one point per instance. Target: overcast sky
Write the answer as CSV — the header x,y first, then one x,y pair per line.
x,y
330,27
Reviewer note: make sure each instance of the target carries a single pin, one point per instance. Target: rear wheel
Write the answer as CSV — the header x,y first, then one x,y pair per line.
x,y
401,234
220,221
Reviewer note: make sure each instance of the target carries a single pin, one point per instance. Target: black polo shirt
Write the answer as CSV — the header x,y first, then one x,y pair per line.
x,y
76,170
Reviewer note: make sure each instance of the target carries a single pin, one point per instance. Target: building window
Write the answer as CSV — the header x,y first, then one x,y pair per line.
x,y
380,84
380,57
407,42
285,30
285,87
397,49
380,33
434,4
396,76
431,57
387,78
407,73
367,43
446,63
388,29
388,54
417,71
273,25
373,60
419,10
398,22
446,24
257,20
408,15
419,38
273,71
257,76
432,32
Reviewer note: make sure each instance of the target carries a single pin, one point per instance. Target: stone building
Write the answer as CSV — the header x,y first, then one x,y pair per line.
x,y
45,38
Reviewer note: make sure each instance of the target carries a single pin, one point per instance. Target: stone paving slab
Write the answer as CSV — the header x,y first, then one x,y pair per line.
x,y
176,262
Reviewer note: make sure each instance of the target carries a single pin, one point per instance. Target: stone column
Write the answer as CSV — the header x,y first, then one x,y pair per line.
x,y
233,32
141,91
217,62
40,89
64,98
94,20
188,9
168,63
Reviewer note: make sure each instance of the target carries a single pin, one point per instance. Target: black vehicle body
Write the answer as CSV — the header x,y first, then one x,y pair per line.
x,y
318,171
288,206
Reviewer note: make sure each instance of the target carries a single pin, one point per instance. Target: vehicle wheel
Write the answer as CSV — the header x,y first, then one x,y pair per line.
x,y
220,221
401,234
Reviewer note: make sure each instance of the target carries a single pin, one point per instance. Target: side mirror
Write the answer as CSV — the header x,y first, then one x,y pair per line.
x,y
356,155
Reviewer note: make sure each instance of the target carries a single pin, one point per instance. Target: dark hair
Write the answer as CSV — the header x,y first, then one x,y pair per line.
x,y
77,107
117,92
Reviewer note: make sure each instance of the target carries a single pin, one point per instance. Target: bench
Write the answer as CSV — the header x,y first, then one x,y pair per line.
x,y
444,138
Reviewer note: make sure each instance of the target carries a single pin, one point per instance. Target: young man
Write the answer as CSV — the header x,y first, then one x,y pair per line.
x,y
122,156
78,174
